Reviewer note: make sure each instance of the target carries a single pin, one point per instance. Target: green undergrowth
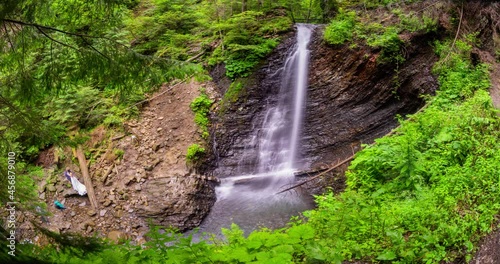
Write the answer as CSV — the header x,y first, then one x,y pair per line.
x,y
233,93
195,153
353,26
201,108
425,194
248,38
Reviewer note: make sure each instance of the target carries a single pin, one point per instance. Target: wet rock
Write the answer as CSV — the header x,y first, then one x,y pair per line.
x,y
351,99
358,100
176,201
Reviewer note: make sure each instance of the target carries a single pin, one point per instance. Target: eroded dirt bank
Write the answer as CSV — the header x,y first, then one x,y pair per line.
x,y
138,174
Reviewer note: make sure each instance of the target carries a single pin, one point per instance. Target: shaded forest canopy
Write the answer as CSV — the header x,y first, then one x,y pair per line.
x,y
427,193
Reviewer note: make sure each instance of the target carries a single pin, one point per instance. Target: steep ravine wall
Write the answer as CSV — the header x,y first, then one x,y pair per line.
x,y
352,99
232,127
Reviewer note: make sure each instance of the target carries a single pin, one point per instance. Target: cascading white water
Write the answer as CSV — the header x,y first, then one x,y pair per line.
x,y
279,142
251,200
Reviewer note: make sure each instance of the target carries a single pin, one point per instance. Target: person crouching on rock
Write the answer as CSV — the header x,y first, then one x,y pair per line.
x,y
77,186
68,174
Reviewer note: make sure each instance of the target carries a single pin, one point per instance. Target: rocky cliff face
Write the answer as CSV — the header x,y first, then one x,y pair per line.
x,y
232,151
352,99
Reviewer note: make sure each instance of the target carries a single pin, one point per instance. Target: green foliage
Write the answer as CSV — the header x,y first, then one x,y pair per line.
x,y
243,46
349,26
429,192
165,28
413,22
390,43
201,108
426,193
119,153
194,153
232,94
341,29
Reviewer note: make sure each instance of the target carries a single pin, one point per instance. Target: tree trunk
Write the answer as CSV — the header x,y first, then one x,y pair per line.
x,y
86,177
309,12
243,6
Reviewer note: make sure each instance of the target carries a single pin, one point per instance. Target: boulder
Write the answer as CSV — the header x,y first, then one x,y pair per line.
x,y
50,188
70,192
178,201
117,236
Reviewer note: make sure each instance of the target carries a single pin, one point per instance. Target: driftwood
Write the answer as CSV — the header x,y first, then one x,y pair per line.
x,y
118,137
195,57
317,176
86,176
106,174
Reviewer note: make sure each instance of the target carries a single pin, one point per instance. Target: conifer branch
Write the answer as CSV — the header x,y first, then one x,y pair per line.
x,y
8,37
19,22
95,49
55,40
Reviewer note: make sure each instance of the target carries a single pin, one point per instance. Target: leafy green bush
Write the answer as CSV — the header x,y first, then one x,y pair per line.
x,y
428,192
194,153
201,104
413,22
248,38
341,29
201,107
390,43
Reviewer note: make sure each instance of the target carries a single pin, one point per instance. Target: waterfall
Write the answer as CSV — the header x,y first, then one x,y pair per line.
x,y
250,200
279,142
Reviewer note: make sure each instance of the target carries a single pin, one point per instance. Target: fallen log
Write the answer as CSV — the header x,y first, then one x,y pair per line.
x,y
317,176
86,177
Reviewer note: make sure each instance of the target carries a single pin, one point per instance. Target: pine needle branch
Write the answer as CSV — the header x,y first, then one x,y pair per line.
x,y
55,40
19,22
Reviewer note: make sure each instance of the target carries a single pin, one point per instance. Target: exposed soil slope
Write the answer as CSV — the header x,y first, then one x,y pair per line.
x,y
138,175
